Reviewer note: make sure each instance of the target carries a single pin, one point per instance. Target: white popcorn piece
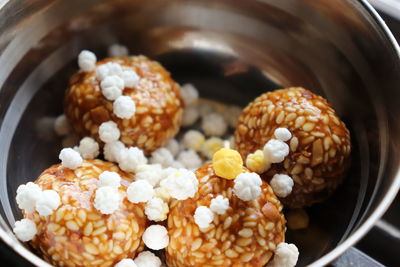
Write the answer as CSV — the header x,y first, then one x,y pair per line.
x,y
107,199
173,147
70,140
108,69
126,263
48,202
131,159
70,158
109,132
87,60
117,50
231,115
111,179
282,134
62,126
189,94
152,173
205,108
247,186
213,124
190,159
131,78
156,237
211,145
275,151
161,192
124,107
162,156
114,150
181,184
219,204
190,116
25,229
88,148
286,255
147,259
282,185
177,165
140,191
112,87
203,216
27,196
193,140
156,209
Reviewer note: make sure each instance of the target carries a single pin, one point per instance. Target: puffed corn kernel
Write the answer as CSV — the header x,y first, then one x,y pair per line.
x,y
227,163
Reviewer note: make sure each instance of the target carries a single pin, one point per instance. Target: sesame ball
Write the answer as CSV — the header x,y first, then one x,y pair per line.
x,y
318,149
245,235
78,234
156,97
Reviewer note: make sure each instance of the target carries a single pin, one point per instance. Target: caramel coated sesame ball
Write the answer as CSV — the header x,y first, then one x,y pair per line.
x,y
319,147
77,234
157,97
246,235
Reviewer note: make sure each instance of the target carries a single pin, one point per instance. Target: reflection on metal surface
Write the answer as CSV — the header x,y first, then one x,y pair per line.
x,y
232,51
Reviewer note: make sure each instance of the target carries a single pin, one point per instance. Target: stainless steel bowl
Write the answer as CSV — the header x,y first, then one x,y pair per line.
x,y
233,51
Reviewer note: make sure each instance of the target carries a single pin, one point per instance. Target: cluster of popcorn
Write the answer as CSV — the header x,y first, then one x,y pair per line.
x,y
274,151
30,198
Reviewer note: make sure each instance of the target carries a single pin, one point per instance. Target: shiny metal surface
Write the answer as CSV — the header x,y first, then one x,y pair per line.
x,y
233,51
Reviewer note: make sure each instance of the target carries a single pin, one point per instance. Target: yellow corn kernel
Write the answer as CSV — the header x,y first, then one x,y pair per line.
x,y
227,163
256,162
297,219
211,146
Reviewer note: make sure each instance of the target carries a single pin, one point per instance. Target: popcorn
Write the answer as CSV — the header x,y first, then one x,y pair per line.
x,y
219,204
62,126
156,237
109,132
161,192
211,146
126,263
111,179
297,219
213,124
193,140
25,229
70,158
107,199
281,184
247,186
114,150
48,202
27,196
256,162
173,147
140,191
286,255
108,69
189,94
275,151
130,78
177,165
190,116
147,259
205,108
162,156
227,163
124,107
87,60
88,148
181,184
231,115
152,173
189,159
112,87
117,50
132,158
282,134
203,217
156,209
